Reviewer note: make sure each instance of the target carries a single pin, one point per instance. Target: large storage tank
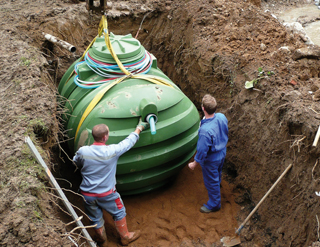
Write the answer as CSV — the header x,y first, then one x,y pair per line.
x,y
91,99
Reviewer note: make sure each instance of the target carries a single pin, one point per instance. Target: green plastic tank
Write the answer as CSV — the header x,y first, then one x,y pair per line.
x,y
163,150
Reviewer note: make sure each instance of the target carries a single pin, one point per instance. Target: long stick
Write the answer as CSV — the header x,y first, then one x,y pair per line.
x,y
316,139
60,192
265,196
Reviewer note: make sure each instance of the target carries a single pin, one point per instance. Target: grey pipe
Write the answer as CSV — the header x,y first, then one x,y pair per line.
x,y
60,42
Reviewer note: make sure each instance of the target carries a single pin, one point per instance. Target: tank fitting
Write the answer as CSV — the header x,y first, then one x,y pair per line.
x,y
152,119
149,113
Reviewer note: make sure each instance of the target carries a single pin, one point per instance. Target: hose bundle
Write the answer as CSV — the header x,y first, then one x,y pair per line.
x,y
110,71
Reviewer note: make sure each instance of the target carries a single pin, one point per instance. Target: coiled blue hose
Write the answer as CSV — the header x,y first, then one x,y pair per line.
x,y
110,71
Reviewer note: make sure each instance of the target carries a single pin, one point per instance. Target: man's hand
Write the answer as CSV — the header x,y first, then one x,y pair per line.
x,y
143,125
192,165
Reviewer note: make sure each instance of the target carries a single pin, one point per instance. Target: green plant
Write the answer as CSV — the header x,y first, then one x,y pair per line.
x,y
37,214
269,100
270,73
251,84
23,185
38,127
20,204
260,71
29,165
25,61
231,87
231,80
23,117
261,74
17,81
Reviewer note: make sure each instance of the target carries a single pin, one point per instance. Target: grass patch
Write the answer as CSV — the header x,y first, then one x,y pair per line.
x,y
37,215
20,204
25,61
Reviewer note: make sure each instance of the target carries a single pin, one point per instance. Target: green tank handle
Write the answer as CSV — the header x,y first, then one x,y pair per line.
x,y
149,113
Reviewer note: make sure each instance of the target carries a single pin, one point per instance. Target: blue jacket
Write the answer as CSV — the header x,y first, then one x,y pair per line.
x,y
213,138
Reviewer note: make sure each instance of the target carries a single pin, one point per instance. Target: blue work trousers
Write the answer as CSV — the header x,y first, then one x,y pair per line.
x,y
111,203
212,171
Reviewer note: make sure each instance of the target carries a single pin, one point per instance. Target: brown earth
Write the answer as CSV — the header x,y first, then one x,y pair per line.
x,y
204,46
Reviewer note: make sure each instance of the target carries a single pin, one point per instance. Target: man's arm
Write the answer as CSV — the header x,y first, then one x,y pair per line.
x,y
78,159
131,140
138,131
203,146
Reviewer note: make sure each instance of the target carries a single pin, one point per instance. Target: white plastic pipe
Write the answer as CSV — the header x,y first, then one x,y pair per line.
x,y
152,119
60,42
152,126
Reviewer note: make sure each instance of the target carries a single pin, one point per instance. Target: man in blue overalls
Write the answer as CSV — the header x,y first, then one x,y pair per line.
x,y
98,163
211,151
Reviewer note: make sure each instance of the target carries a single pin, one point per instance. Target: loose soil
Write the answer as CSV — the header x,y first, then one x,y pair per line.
x,y
204,46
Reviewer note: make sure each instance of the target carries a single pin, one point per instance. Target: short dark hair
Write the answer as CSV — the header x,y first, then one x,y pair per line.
x,y
209,103
99,131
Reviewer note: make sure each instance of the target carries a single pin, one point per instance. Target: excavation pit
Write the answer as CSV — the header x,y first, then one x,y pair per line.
x,y
204,47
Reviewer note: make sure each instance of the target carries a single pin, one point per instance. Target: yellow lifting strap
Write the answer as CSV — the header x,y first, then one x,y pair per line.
x,y
103,29
94,102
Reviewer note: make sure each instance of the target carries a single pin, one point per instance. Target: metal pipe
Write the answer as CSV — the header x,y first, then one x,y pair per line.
x,y
60,192
60,42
